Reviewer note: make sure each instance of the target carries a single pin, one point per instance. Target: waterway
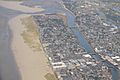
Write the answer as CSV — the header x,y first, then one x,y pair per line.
x,y
8,66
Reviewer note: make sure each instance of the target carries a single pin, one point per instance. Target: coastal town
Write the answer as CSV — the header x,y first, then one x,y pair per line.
x,y
102,33
60,40
67,58
70,60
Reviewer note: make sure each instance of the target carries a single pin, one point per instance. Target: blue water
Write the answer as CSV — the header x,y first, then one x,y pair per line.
x,y
82,40
8,12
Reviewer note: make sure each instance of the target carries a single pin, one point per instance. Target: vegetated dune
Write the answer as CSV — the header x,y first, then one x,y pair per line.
x,y
33,65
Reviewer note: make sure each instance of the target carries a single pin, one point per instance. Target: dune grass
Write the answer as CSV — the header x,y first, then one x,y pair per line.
x,y
31,37
30,34
50,76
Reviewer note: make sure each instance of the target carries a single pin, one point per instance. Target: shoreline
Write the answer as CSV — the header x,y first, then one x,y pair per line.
x,y
8,67
16,5
31,65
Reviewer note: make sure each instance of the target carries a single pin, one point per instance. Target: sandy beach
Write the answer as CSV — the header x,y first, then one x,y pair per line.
x,y
15,5
31,65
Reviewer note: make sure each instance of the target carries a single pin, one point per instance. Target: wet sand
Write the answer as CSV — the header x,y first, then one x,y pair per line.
x,y
17,60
